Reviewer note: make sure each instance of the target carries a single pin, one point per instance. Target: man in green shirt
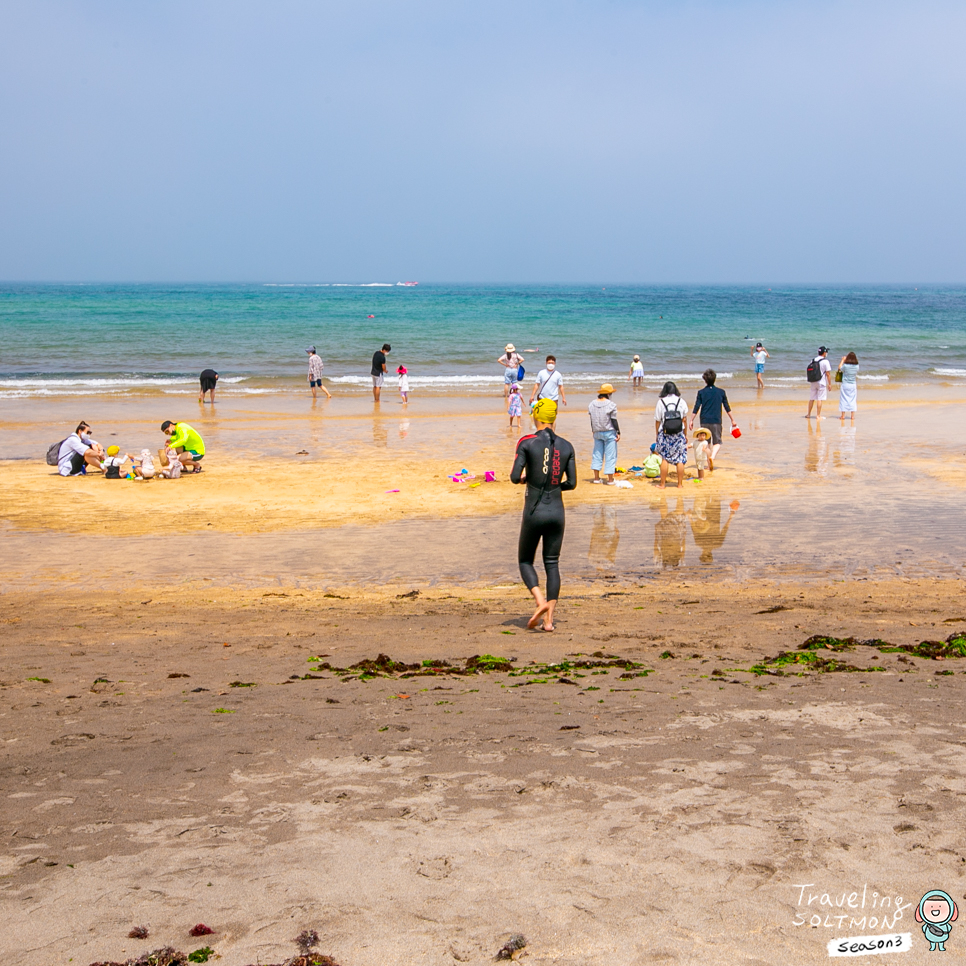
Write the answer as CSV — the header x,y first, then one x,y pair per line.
x,y
187,442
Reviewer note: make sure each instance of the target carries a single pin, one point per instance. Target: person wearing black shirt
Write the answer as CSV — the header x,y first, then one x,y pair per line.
x,y
545,462
379,370
708,405
208,379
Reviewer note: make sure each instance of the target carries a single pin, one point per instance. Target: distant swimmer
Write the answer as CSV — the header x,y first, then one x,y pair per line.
x,y
546,464
370,316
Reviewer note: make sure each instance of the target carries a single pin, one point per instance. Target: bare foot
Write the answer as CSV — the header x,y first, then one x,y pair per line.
x,y
548,628
537,614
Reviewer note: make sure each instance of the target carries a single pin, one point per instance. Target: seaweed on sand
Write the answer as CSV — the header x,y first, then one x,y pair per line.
x,y
954,646
165,956
512,947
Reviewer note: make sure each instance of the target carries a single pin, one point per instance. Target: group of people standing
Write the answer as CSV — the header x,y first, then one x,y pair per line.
x,y
819,376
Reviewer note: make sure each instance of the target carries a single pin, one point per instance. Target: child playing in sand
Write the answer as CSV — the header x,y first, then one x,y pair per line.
x,y
702,452
652,465
144,466
173,470
637,371
403,374
514,407
112,463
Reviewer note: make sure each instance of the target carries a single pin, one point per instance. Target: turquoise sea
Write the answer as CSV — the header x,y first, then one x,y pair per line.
x,y
83,339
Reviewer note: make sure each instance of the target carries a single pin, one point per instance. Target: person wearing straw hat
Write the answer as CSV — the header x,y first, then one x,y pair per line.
x,y
511,362
545,462
702,455
607,432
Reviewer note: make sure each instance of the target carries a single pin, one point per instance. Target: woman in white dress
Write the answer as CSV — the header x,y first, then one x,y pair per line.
x,y
849,366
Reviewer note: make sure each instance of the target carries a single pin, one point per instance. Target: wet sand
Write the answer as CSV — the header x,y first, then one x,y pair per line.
x,y
671,816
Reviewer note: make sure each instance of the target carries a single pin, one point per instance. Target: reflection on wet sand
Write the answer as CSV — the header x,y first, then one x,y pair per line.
x,y
604,538
670,534
380,433
706,527
816,453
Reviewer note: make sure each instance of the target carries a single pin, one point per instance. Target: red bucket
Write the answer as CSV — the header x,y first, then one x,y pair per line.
x,y
735,432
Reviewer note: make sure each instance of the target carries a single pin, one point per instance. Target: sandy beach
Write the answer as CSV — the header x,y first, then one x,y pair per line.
x,y
173,756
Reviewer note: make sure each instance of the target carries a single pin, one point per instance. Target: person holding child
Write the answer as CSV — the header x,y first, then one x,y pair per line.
x,y
186,442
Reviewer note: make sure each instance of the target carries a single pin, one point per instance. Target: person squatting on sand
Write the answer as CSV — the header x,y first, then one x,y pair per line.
x,y
79,451
315,374
186,442
607,433
546,463
849,367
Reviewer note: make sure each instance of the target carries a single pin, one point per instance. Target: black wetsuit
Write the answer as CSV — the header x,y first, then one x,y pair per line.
x,y
546,463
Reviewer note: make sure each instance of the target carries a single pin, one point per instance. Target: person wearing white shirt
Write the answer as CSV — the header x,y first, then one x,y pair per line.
x,y
79,451
818,391
549,384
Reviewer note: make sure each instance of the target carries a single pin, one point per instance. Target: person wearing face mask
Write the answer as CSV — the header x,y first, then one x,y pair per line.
x,y
549,384
79,451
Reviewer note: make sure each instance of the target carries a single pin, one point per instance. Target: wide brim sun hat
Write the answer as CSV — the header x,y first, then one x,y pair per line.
x,y
703,433
606,389
510,347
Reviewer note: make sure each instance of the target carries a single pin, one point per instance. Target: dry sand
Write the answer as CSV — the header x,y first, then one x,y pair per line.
x,y
665,818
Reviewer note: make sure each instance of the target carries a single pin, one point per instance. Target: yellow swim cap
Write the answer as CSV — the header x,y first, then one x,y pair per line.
x,y
113,450
545,410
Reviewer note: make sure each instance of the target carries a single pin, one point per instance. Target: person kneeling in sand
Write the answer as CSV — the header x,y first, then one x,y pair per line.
x,y
545,462
187,443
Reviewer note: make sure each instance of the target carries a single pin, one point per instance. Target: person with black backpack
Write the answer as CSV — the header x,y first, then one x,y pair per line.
x,y
671,429
819,376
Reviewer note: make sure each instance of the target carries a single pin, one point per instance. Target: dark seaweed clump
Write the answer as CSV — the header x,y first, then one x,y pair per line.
x,y
953,647
165,956
138,932
201,930
385,666
513,945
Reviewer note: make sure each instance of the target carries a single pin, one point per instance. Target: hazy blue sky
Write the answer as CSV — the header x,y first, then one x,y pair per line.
x,y
777,141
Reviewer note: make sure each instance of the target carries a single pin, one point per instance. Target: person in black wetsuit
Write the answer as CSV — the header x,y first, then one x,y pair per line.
x,y
546,463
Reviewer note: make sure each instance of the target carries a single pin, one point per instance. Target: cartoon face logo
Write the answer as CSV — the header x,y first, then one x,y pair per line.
x,y
937,912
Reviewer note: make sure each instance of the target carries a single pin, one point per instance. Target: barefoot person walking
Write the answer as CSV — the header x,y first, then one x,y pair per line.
x,y
316,367
546,463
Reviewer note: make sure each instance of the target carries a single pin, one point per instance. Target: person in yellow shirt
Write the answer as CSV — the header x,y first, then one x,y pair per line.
x,y
187,442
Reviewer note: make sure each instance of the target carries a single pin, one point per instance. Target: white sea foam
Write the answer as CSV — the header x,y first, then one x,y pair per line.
x,y
950,372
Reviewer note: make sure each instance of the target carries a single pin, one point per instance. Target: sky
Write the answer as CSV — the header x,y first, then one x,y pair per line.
x,y
604,141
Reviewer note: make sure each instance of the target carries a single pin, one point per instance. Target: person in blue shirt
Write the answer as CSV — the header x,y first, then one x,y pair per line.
x,y
708,406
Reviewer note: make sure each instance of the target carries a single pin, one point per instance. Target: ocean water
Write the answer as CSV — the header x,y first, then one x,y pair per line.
x,y
122,339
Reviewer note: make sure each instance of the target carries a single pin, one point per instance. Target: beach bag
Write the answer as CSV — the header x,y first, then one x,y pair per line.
x,y
521,372
673,423
813,373
53,452
838,375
